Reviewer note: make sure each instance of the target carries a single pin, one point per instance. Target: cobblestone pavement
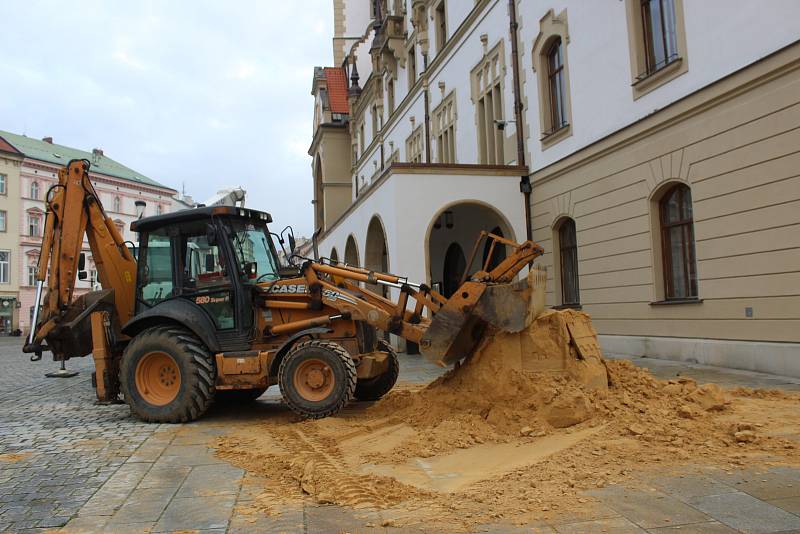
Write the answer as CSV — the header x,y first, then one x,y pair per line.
x,y
69,465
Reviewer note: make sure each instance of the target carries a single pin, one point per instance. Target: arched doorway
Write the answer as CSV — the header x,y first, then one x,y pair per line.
x,y
351,252
376,253
459,225
334,255
454,265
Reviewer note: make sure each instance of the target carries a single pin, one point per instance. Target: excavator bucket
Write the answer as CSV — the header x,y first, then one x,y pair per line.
x,y
459,325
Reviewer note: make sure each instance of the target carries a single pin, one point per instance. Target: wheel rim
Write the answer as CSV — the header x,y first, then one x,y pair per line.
x,y
158,378
314,380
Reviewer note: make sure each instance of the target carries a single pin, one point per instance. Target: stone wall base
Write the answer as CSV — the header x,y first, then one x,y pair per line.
x,y
761,356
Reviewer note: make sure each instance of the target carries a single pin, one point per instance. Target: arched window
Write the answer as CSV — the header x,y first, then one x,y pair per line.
x,y
159,209
677,243
568,262
35,190
117,204
556,84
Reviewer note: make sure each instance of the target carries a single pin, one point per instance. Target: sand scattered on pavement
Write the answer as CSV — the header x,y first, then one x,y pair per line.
x,y
492,442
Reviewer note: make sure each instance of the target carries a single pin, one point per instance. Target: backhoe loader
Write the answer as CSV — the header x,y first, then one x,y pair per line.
x,y
204,310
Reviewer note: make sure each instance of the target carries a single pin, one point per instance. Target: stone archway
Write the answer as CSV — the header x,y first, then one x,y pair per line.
x,y
376,252
460,224
351,252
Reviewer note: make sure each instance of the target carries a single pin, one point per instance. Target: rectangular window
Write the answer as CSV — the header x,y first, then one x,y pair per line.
x,y
3,184
487,93
440,17
390,95
444,126
658,31
33,225
5,266
32,275
490,112
3,220
414,146
412,66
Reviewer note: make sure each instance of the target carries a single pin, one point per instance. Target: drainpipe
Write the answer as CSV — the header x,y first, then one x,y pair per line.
x,y
427,109
525,180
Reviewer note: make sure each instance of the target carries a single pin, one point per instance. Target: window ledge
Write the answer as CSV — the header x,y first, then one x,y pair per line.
x,y
554,136
646,83
568,307
673,302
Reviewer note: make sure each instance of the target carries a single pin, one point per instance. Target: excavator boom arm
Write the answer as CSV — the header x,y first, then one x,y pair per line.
x,y
74,210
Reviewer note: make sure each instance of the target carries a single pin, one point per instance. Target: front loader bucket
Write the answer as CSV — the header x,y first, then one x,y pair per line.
x,y
459,325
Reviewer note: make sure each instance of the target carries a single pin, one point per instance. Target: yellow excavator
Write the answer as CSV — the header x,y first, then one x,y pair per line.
x,y
202,309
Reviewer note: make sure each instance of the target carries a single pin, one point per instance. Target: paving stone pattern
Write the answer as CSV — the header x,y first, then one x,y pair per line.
x,y
69,465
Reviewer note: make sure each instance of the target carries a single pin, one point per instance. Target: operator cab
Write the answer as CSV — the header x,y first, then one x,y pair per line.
x,y
209,258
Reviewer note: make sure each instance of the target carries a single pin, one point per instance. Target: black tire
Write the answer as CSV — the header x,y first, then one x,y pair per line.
x,y
372,389
195,366
343,383
235,396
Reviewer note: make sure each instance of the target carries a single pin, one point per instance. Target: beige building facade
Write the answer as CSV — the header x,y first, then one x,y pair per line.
x,y
10,163
733,146
655,141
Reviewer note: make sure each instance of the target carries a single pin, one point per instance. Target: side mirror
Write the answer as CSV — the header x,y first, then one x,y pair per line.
x,y
211,235
210,263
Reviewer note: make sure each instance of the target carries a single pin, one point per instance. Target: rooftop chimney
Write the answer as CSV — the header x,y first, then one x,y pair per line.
x,y
47,140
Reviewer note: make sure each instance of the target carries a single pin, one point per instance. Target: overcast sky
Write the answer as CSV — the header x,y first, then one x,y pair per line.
x,y
202,93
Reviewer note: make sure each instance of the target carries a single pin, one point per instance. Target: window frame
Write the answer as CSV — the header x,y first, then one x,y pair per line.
x,y
3,184
646,76
554,124
445,116
568,257
31,218
34,194
556,86
688,244
415,146
117,204
487,88
4,220
5,267
440,25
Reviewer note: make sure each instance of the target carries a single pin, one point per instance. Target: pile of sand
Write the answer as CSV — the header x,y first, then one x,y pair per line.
x,y
512,438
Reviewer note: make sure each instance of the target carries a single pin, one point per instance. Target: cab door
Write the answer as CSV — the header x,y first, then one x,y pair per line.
x,y
205,277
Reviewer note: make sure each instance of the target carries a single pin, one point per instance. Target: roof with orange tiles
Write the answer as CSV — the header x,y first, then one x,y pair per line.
x,y
337,89
5,146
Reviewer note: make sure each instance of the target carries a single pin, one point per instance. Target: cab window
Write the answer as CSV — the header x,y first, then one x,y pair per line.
x,y
157,271
204,265
254,252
